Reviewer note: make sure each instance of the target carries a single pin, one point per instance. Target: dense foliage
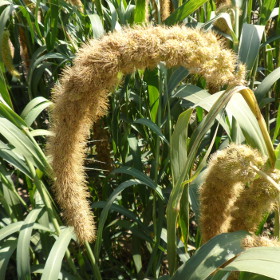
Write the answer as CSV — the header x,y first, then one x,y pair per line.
x,y
147,158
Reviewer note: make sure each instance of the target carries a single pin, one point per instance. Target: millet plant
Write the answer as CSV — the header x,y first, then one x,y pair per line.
x,y
139,139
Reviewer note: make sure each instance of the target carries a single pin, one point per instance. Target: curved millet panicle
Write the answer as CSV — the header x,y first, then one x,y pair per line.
x,y
81,97
258,199
228,170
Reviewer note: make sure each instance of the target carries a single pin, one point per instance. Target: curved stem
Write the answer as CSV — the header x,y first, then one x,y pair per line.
x,y
266,177
250,98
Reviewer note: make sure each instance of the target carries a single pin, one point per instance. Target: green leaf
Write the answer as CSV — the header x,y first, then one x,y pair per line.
x,y
277,153
247,121
52,24
250,42
266,10
114,17
194,144
106,209
41,132
262,260
63,275
266,84
34,108
141,176
203,99
4,2
36,60
23,145
23,245
10,155
176,77
4,91
122,210
4,17
178,148
184,11
7,248
97,26
53,264
10,229
13,117
15,227
140,11
211,256
153,127
236,107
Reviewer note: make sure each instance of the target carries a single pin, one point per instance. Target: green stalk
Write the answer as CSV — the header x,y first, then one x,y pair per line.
x,y
236,25
254,72
99,9
173,206
93,262
157,232
250,98
277,220
44,194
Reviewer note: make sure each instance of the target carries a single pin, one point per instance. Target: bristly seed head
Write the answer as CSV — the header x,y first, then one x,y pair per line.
x,y
81,97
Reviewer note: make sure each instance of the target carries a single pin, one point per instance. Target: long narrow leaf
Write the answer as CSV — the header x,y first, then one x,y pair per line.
x,y
211,256
141,176
53,265
264,261
23,244
184,11
106,209
7,248
250,42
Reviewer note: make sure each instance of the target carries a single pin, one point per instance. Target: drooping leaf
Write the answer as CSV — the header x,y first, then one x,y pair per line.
x,y
184,11
53,264
261,260
211,256
23,245
7,248
266,84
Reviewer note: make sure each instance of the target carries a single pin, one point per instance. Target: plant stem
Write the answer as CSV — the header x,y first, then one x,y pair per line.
x,y
93,262
266,177
250,98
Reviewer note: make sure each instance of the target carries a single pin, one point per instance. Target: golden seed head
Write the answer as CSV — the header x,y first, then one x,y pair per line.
x,y
233,163
80,98
251,241
6,54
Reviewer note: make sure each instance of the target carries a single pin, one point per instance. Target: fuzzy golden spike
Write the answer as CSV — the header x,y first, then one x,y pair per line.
x,y
164,9
255,201
251,241
24,49
103,146
77,3
228,170
220,3
81,97
6,54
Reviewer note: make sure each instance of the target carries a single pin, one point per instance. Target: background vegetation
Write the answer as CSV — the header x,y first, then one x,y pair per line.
x,y
157,133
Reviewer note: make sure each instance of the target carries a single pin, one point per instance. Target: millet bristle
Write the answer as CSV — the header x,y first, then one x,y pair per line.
x,y
6,54
81,97
259,198
164,9
251,241
228,171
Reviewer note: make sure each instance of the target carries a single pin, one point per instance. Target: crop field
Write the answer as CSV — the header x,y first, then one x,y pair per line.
x,y
139,139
